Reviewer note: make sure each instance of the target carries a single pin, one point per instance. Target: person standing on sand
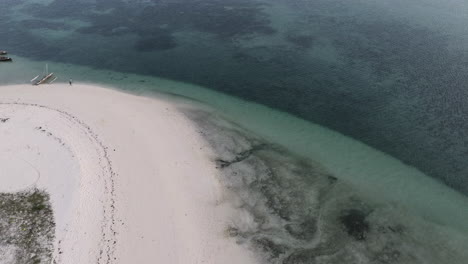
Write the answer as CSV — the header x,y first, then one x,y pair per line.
x,y
70,82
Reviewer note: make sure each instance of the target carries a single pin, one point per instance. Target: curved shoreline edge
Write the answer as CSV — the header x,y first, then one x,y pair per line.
x,y
129,177
186,180
290,209
374,172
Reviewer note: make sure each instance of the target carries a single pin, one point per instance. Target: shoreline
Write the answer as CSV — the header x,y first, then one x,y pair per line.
x,y
175,181
141,182
381,176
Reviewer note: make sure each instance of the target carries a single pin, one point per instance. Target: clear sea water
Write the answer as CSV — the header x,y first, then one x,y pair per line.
x,y
374,91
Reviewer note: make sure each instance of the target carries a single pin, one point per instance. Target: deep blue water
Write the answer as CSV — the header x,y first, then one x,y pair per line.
x,y
391,74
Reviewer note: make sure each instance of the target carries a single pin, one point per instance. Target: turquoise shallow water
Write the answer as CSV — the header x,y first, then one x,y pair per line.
x,y
371,92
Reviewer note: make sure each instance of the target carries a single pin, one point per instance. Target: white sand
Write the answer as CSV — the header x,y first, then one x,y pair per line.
x,y
130,179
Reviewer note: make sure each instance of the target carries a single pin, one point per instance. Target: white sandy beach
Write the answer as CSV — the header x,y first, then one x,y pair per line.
x,y
130,179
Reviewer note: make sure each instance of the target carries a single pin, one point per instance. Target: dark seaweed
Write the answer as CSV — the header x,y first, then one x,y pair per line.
x,y
300,214
355,223
27,224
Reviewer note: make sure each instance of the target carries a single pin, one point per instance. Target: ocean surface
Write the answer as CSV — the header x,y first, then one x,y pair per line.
x,y
374,92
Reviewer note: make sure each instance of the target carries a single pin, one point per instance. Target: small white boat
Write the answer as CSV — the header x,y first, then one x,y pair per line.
x,y
46,77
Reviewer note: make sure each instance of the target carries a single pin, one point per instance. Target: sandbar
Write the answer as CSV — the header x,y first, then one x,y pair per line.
x,y
130,179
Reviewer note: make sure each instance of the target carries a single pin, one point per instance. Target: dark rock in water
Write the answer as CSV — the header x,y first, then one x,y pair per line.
x,y
355,223
239,156
222,163
332,179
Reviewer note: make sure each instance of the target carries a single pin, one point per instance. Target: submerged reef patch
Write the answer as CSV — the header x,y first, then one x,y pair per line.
x,y
26,227
355,223
161,42
37,24
290,210
224,19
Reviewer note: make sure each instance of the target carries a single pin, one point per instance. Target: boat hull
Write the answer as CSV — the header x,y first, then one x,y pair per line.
x,y
45,79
